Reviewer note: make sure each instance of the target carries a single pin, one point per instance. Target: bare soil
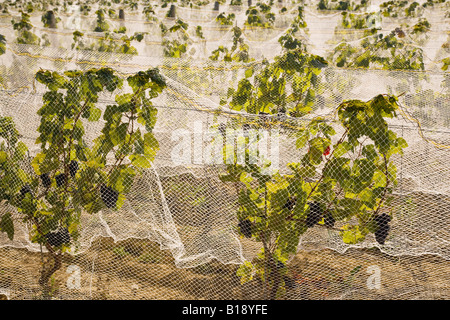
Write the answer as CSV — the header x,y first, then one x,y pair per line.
x,y
139,269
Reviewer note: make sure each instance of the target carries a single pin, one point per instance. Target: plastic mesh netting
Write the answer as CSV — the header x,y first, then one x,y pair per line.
x,y
216,150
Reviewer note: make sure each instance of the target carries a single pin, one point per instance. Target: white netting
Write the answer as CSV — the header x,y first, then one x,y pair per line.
x,y
176,236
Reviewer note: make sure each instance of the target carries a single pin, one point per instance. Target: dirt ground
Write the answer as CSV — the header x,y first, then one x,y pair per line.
x,y
138,269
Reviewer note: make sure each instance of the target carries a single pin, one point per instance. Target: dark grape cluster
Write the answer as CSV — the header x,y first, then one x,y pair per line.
x,y
383,227
329,220
26,189
109,196
290,203
60,179
314,214
73,168
58,238
45,179
245,226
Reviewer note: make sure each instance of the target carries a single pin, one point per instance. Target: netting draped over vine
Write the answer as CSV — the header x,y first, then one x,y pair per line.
x,y
422,168
180,202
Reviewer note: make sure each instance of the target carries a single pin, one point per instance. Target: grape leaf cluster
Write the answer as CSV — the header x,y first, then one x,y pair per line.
x,y
315,213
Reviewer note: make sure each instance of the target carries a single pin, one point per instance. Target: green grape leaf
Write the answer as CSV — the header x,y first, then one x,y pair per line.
x,y
7,225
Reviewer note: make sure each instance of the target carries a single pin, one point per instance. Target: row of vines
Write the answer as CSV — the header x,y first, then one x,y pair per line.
x,y
347,170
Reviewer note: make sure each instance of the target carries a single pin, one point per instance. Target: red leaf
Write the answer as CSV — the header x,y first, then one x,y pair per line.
x,y
327,151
